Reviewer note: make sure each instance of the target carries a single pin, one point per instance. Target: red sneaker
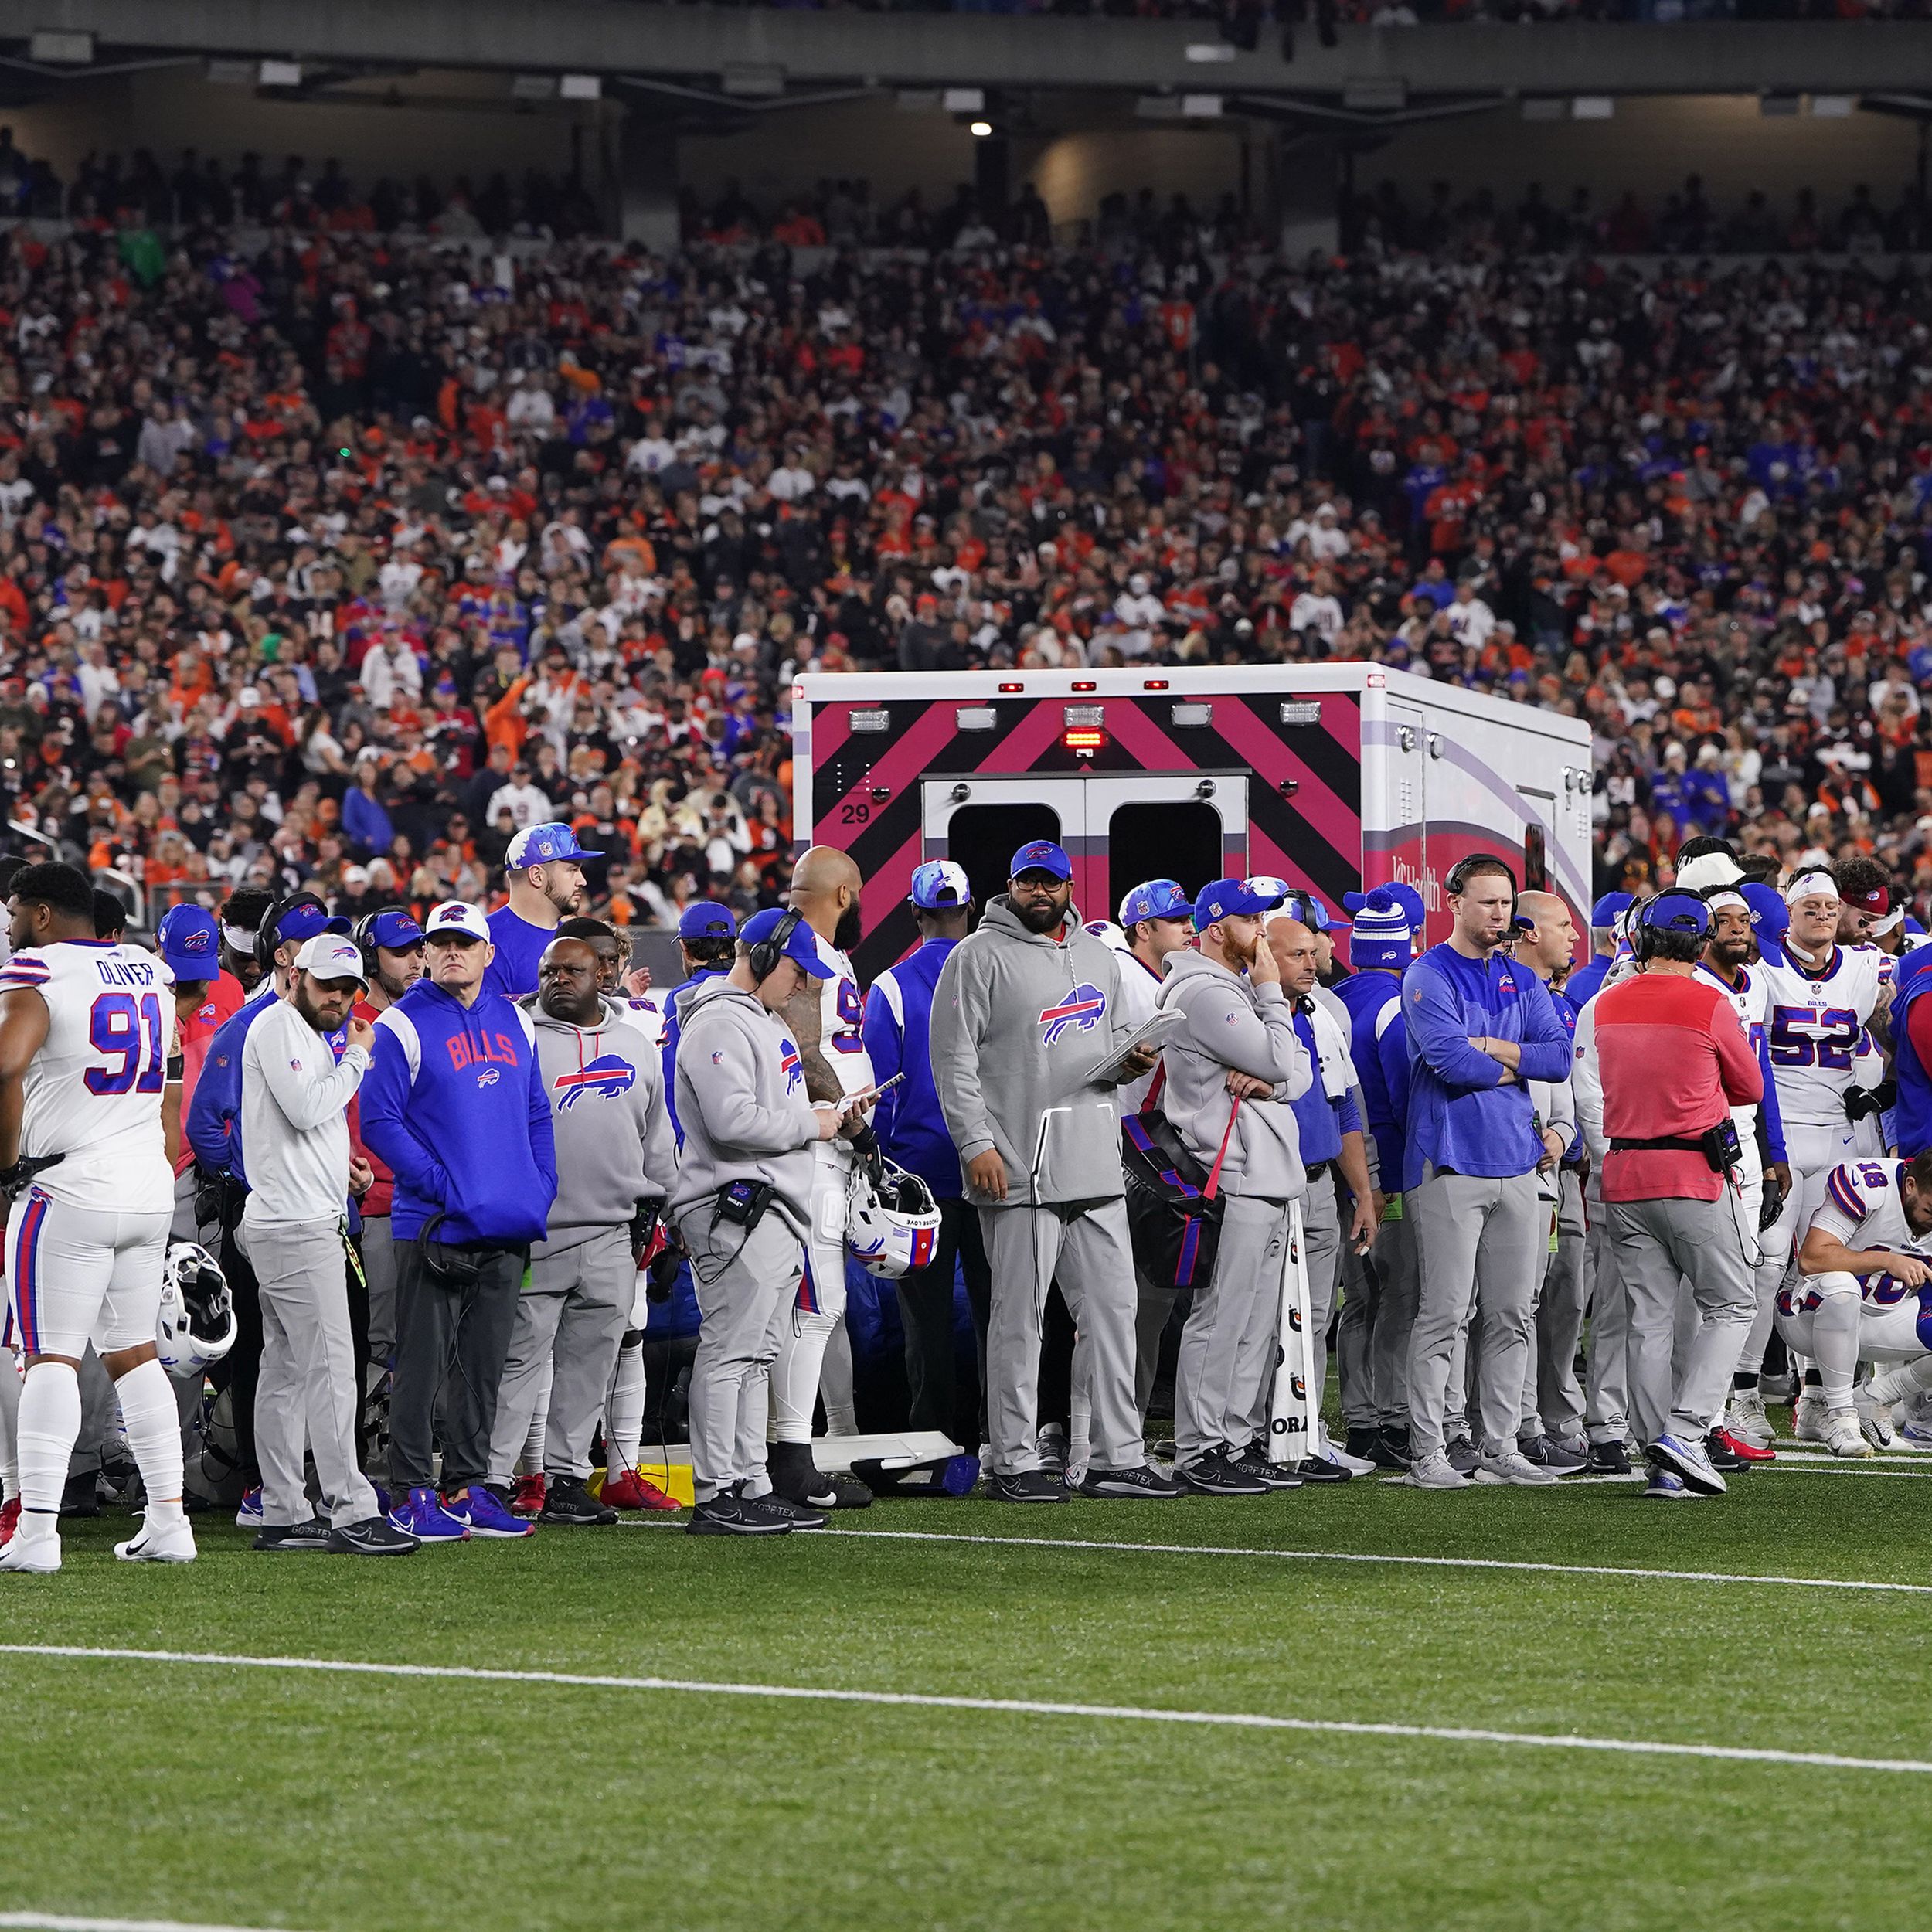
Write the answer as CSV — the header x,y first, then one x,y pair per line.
x,y
1749,1451
9,1521
527,1494
631,1491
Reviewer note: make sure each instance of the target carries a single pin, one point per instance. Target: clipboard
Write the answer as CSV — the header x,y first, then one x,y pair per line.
x,y
1153,1031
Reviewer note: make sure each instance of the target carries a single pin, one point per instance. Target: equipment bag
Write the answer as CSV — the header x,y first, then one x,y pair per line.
x,y
1173,1208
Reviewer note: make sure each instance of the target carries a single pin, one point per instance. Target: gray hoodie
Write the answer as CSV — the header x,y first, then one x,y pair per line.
x,y
1019,1022
1232,1023
741,1101
613,1144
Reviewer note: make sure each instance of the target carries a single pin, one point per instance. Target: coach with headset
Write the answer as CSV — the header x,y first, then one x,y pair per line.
x,y
1674,1061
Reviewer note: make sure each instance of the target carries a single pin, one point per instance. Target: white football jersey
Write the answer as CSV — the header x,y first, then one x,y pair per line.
x,y
1862,1208
842,1015
1814,1024
92,1092
1751,1002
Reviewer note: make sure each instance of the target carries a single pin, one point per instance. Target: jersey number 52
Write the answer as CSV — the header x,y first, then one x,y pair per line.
x,y
1832,1040
131,1032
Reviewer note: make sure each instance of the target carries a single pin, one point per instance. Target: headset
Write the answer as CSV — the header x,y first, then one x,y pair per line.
x,y
1459,873
364,934
768,955
1689,914
265,941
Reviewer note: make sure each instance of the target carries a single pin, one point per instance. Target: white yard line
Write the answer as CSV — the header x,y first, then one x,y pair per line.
x,y
1005,1706
62,1922
1361,1556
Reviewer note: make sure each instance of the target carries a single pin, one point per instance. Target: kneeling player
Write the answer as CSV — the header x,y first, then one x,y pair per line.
x,y
1863,1270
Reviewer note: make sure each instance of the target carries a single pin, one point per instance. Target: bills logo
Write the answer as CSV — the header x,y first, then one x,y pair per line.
x,y
196,942
790,1066
1079,1012
604,1078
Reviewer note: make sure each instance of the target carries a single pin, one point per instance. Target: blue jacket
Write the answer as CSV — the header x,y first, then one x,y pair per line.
x,y
520,951
671,1041
455,1101
1367,995
1912,1112
213,1125
1587,981
1320,1121
1461,1115
365,822
898,1036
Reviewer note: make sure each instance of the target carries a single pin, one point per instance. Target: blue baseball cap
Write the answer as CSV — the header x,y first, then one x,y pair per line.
x,y
1234,899
801,948
301,923
1608,909
1382,934
1042,856
705,918
543,845
940,885
395,930
190,939
1675,910
1770,916
1156,899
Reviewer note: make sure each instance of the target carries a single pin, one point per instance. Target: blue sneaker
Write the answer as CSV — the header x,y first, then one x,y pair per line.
x,y
250,1515
426,1519
1916,1435
1666,1485
487,1514
1690,1460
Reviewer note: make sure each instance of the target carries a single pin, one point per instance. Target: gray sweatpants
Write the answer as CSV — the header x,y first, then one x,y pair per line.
x,y
1478,1239
1153,1304
378,1269
571,1314
1663,1247
307,1388
1557,1403
1083,1245
1211,1402
1378,1313
1606,1357
745,1289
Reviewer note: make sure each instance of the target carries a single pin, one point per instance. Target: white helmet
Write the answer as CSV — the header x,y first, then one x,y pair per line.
x,y
892,1228
196,1325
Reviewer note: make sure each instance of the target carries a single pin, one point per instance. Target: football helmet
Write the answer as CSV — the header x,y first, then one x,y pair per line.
x,y
892,1224
196,1325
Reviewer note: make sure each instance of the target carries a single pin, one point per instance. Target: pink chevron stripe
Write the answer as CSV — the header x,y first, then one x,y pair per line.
x,y
1272,759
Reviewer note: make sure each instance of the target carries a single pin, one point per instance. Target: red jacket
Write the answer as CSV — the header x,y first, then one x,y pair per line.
x,y
1674,1062
378,1199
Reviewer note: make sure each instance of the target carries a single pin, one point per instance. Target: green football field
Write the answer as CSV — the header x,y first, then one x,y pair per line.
x,y
1362,1707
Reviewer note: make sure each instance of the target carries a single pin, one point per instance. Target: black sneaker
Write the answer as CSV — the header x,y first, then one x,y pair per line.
x,y
1533,1449
850,1493
1144,1484
1463,1456
1607,1459
1362,1442
797,1515
566,1500
312,1535
373,1536
727,1515
1391,1449
1319,1469
1271,1475
795,1477
1723,1458
1213,1474
1030,1485
81,1496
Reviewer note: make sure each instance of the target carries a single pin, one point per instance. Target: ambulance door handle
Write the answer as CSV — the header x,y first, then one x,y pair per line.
x,y
1406,737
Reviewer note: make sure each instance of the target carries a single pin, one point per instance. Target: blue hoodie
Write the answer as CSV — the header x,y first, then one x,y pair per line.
x,y
1320,1121
1912,1112
213,1123
898,1036
670,1049
1381,1064
1587,980
455,1101
1461,1115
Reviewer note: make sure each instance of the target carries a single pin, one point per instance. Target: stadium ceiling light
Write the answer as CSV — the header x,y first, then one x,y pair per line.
x,y
1834,107
54,48
280,74
533,86
1593,107
963,100
981,129
581,87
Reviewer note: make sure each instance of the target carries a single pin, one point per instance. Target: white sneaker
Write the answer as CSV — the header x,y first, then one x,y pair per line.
x,y
1355,1465
1745,1418
32,1555
1842,1435
1875,1419
1808,1418
1433,1471
159,1542
1514,1468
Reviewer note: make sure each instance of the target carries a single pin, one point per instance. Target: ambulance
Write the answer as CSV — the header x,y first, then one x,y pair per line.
x,y
1337,777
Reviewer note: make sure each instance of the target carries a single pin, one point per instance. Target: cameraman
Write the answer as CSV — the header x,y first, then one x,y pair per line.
x,y
741,1208
1674,1061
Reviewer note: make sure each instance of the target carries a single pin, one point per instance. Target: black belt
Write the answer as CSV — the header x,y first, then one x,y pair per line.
x,y
1669,1145
1320,1168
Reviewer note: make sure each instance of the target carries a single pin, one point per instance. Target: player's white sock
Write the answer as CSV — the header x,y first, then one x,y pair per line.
x,y
836,1382
1902,1381
795,1376
1835,1344
50,1420
624,1412
9,1426
533,1443
153,1423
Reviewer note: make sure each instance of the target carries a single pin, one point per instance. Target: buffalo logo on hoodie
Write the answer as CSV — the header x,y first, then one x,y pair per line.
x,y
789,1065
604,1078
1080,1012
